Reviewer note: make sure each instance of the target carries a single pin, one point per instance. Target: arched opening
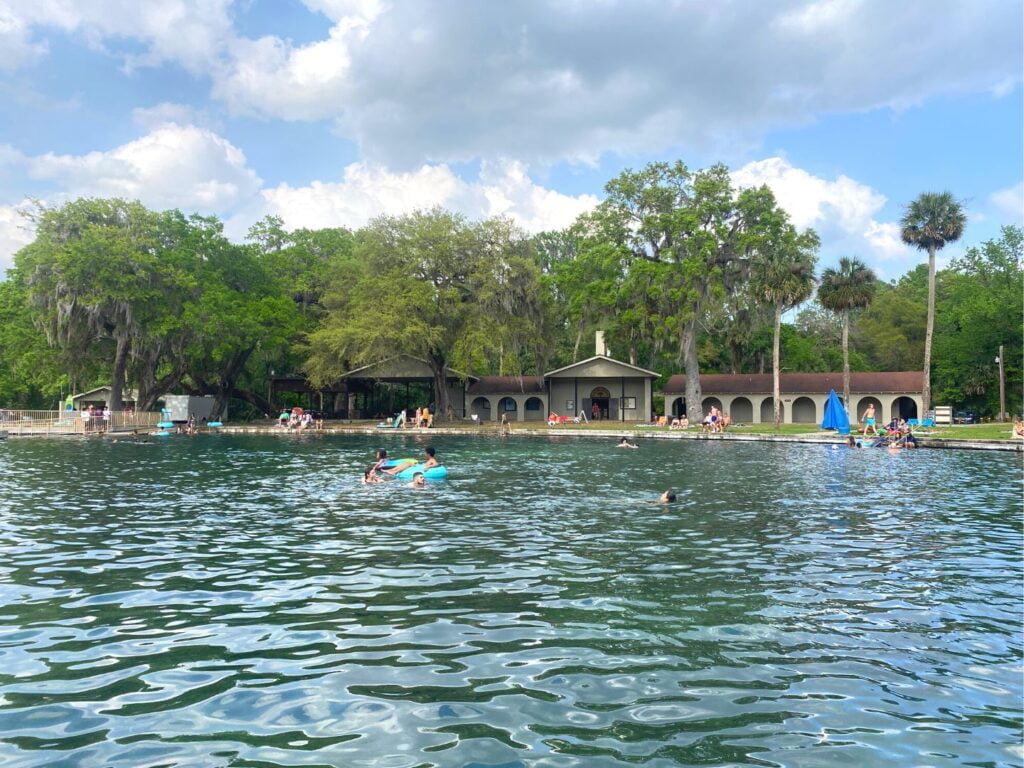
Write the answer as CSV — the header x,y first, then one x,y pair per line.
x,y
508,405
533,409
804,411
768,411
862,407
678,407
600,403
904,408
741,411
481,408
708,403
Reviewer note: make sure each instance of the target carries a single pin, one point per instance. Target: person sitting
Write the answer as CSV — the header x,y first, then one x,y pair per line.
x,y
381,459
707,425
624,443
724,422
1018,428
675,423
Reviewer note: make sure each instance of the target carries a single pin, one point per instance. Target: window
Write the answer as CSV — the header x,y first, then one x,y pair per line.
x,y
629,403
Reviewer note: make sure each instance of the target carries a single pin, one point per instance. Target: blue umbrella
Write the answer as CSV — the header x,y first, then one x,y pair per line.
x,y
835,414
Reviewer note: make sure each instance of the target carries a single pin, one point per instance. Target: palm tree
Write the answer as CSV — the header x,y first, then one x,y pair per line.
x,y
931,221
782,277
852,286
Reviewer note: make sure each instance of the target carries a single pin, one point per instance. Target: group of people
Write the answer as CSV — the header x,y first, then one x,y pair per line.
x,y
95,419
422,417
299,419
715,421
382,469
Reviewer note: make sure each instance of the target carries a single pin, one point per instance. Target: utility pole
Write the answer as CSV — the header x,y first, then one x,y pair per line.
x,y
1002,386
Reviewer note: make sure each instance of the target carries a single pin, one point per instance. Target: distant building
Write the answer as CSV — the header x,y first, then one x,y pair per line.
x,y
100,397
747,398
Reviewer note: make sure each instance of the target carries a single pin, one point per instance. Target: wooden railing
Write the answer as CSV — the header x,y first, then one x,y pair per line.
x,y
18,422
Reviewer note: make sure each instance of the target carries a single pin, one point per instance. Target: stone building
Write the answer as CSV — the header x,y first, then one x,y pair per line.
x,y
747,398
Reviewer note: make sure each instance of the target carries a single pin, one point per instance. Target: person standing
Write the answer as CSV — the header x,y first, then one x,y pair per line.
x,y
869,419
506,427
595,412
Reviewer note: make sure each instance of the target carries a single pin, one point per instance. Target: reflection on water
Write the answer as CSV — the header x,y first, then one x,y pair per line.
x,y
240,601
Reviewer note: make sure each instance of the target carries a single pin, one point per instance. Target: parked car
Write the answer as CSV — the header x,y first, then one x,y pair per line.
x,y
965,417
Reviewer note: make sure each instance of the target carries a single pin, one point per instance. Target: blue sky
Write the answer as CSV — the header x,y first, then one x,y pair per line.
x,y
328,112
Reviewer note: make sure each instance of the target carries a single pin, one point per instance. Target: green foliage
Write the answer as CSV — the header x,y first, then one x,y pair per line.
x,y
434,286
675,267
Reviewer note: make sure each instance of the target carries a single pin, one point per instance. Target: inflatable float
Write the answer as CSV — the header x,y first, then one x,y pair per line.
x,y
439,472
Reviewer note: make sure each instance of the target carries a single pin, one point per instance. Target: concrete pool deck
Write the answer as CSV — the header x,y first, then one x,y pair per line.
x,y
626,430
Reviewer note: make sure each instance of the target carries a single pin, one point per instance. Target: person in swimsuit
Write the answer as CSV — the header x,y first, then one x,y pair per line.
x,y
869,419
624,443
418,481
428,462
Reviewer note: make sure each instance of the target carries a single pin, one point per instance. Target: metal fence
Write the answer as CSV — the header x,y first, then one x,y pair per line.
x,y
15,422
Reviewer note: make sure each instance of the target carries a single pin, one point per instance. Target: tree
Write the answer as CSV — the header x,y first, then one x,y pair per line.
x,y
980,302
931,221
782,275
91,271
851,286
431,285
701,233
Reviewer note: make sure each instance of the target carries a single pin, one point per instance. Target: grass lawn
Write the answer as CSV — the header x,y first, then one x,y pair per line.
x,y
991,431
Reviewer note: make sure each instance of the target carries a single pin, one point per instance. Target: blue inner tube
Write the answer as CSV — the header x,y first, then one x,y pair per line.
x,y
433,473
161,434
214,424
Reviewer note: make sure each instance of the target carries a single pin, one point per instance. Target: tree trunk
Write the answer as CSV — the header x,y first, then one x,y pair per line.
x,y
846,360
117,379
576,346
441,401
926,384
776,395
688,342
228,378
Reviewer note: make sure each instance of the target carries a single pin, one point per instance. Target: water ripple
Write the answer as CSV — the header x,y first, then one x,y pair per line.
x,y
232,601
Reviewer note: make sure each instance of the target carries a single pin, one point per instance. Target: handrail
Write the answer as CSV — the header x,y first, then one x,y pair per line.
x,y
34,422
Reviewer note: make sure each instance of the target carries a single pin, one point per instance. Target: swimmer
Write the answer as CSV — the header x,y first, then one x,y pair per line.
x,y
370,476
624,443
666,498
851,442
418,481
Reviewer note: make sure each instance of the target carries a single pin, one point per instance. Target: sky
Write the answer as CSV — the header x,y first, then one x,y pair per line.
x,y
330,112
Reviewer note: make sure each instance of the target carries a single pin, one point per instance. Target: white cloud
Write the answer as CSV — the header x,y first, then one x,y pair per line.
x,y
172,167
191,33
16,231
1009,203
443,81
366,190
438,81
843,211
16,47
169,112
